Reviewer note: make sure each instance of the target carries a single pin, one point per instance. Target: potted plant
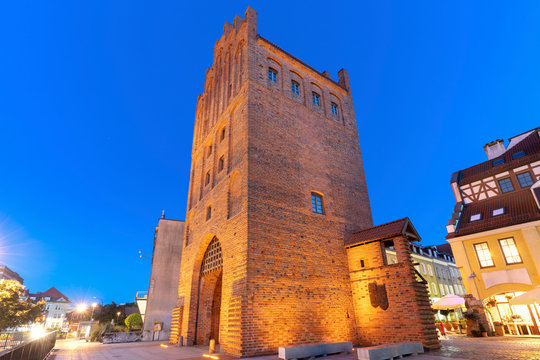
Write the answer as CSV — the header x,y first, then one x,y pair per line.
x,y
483,330
499,331
472,321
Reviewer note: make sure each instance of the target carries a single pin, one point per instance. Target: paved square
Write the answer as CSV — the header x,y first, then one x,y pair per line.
x,y
454,347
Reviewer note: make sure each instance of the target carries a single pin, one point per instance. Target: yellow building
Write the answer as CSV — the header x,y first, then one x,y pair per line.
x,y
495,229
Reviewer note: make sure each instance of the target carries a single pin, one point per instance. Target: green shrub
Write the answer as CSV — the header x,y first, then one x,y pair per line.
x,y
134,321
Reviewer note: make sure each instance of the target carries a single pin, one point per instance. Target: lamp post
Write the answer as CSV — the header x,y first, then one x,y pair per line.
x,y
117,317
93,308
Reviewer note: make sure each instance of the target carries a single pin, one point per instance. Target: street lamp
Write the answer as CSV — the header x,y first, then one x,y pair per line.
x,y
93,308
117,317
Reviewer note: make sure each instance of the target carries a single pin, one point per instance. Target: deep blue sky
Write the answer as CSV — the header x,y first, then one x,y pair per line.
x,y
97,102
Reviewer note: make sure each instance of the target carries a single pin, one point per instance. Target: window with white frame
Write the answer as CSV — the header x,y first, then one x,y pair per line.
x,y
295,87
483,254
441,288
316,99
272,75
433,289
509,249
334,108
430,270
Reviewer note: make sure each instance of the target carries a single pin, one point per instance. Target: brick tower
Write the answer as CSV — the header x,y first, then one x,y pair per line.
x,y
277,184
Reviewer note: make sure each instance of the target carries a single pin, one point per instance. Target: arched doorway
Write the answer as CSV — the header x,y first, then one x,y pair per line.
x,y
209,304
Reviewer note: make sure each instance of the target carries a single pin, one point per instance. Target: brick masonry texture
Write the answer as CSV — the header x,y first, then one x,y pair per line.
x,y
259,151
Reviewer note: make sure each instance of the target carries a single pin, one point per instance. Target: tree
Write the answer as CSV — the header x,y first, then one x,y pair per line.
x,y
134,321
14,309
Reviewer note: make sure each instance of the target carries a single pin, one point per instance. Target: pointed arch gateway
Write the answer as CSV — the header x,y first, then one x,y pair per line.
x,y
209,294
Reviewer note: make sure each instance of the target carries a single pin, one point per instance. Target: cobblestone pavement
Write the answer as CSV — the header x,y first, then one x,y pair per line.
x,y
81,350
491,348
454,347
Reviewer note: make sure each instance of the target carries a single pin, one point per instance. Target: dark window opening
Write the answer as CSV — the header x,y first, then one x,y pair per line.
x,y
222,137
498,162
207,178
388,245
221,163
518,154
208,212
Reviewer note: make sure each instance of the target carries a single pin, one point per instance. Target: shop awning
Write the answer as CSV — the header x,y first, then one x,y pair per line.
x,y
448,302
530,297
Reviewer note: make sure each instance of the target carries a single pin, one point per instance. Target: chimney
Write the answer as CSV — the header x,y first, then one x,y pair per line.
x,y
494,149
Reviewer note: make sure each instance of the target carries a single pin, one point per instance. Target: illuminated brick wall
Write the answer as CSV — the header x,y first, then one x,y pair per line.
x,y
259,150
409,317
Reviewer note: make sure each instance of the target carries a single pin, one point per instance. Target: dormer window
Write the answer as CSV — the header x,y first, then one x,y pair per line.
x,y
498,162
518,154
476,217
499,211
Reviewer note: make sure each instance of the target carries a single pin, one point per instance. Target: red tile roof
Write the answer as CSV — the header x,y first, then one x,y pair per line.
x,y
53,293
531,146
380,232
519,207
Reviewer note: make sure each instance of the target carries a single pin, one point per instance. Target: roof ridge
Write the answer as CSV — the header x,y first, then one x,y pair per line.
x,y
376,226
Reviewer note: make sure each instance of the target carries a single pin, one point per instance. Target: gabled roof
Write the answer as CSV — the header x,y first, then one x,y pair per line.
x,y
519,207
385,231
52,293
530,145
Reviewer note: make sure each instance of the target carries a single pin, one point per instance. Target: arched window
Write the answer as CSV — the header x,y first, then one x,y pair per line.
x,y
212,259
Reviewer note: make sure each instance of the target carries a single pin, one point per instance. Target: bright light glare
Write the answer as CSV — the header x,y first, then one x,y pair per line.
x,y
37,332
164,345
81,308
210,356
94,305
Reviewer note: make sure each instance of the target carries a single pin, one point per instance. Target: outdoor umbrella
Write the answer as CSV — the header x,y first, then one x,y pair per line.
x,y
449,302
530,297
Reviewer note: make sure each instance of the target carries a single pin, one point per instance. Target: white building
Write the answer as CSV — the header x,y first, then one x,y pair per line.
x,y
57,305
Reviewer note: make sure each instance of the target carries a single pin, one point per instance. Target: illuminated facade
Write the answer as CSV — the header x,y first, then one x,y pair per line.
x,y
438,269
495,229
277,186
